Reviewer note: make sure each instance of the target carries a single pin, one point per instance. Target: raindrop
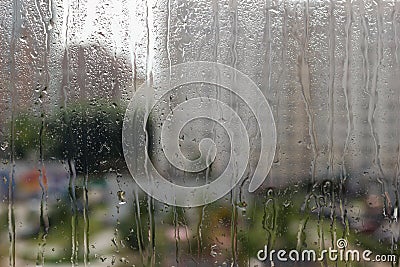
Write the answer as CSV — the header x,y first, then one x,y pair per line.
x,y
124,260
4,145
213,252
287,203
121,197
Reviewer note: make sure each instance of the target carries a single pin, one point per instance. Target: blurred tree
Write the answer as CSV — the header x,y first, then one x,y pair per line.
x,y
90,134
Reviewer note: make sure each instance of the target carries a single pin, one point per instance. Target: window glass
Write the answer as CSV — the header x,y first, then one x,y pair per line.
x,y
199,133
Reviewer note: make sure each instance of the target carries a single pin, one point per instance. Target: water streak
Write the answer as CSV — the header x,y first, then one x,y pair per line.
x,y
234,59
168,27
199,229
331,110
65,29
305,83
149,78
270,218
74,212
11,179
234,228
176,234
349,113
139,227
395,26
331,85
86,252
44,220
215,26
151,260
373,101
395,183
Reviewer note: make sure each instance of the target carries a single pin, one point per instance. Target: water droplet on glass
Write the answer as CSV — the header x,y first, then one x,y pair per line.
x,y
121,197
287,203
124,260
4,145
213,252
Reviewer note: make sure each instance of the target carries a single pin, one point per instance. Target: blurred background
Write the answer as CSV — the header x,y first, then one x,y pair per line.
x,y
68,68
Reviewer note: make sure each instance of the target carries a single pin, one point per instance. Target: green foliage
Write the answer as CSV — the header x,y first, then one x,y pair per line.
x,y
88,133
27,134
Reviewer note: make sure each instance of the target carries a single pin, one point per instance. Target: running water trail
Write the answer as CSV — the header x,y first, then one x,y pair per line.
x,y
139,226
86,250
74,212
374,96
168,27
303,72
11,179
395,215
331,110
176,234
270,217
44,219
234,193
331,85
349,113
149,79
70,163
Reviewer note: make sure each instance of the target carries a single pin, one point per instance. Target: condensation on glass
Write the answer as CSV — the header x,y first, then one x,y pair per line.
x,y
329,69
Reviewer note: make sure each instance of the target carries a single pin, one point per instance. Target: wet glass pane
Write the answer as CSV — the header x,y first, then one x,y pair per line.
x,y
199,133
